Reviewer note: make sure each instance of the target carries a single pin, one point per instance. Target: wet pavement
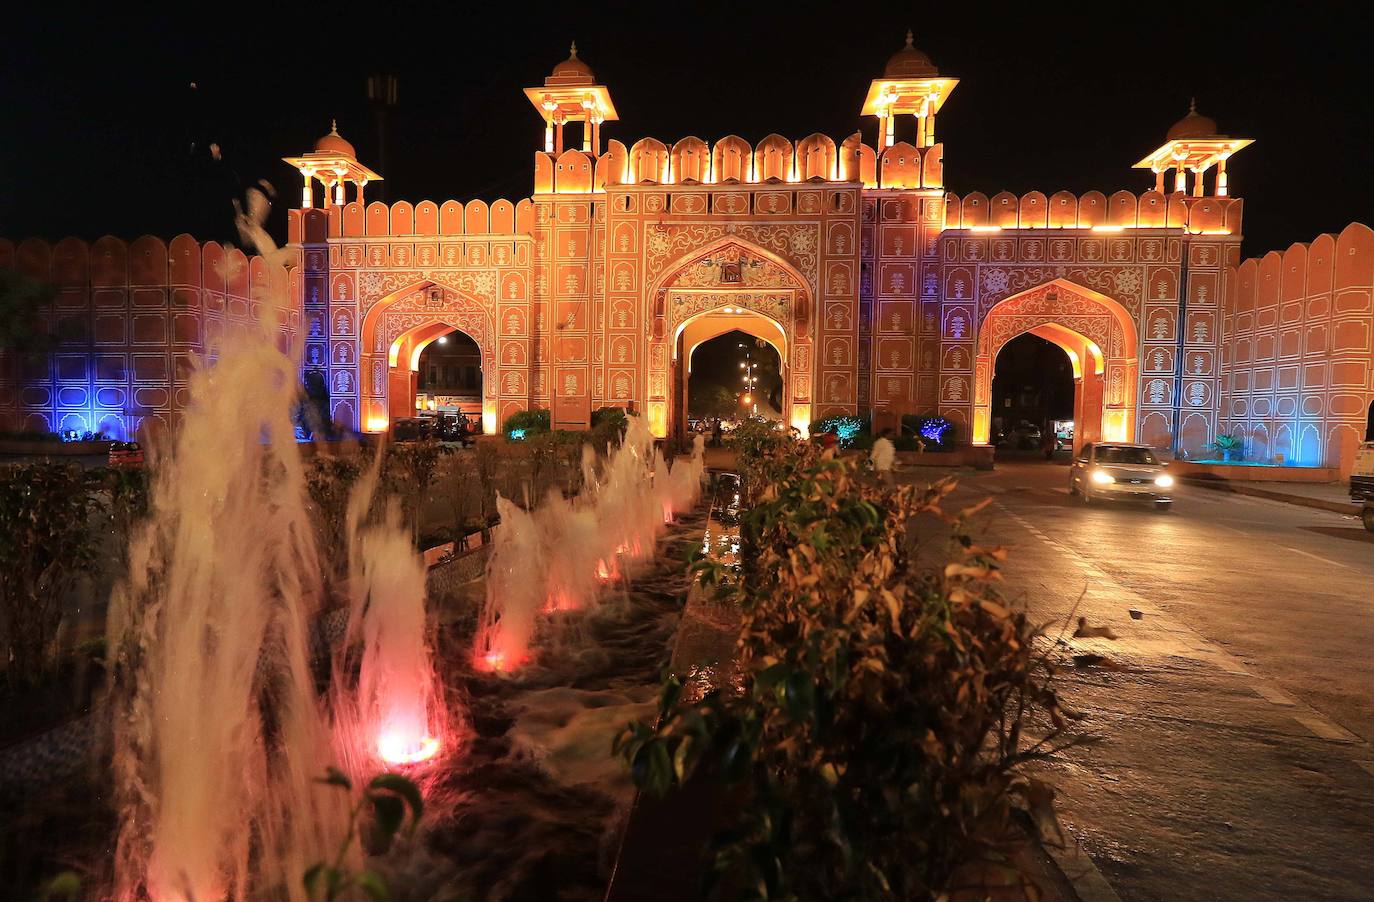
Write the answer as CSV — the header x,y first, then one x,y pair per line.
x,y
1234,708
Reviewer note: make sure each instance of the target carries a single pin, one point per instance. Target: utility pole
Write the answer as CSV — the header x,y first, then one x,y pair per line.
x,y
382,92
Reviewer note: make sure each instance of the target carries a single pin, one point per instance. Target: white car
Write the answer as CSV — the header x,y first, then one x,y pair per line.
x,y
1120,471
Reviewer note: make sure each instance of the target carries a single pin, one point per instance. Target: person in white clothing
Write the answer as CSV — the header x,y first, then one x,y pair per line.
x,y
883,455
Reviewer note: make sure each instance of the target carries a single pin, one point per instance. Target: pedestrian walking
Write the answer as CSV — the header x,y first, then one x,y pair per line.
x,y
883,456
1049,443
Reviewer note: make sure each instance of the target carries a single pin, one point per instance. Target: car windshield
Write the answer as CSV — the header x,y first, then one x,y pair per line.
x,y
1109,455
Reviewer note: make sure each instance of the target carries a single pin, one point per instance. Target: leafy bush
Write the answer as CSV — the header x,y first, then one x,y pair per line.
x,y
48,541
408,472
760,451
330,481
877,741
526,423
388,796
30,435
1227,445
845,426
608,427
935,433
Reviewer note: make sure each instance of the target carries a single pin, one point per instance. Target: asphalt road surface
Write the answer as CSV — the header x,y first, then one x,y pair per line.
x,y
1235,713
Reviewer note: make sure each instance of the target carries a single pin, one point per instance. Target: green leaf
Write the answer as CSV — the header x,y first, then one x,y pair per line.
x,y
684,761
389,813
373,886
672,691
66,885
406,789
320,877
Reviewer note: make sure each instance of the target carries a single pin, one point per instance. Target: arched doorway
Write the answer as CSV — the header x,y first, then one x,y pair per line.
x,y
1096,333
733,374
724,285
728,326
1034,389
397,329
449,375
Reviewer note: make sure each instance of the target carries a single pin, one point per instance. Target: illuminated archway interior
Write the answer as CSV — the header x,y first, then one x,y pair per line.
x,y
708,352
1083,363
436,369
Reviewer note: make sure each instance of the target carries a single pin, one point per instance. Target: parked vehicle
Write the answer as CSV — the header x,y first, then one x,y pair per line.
x,y
1120,471
1362,483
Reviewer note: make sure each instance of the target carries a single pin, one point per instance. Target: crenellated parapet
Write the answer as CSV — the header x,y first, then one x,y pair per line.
x,y
139,313
1094,211
406,220
733,161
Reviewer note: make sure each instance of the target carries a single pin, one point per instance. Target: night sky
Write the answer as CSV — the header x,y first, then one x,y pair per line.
x,y
98,116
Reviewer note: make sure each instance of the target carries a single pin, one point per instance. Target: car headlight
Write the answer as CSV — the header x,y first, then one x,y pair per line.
x,y
1102,478
1164,480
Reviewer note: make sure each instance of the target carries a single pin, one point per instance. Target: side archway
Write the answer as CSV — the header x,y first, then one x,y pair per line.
x,y
397,328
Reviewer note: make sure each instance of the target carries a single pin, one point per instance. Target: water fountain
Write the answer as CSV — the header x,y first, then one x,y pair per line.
x,y
218,733
558,557
515,590
395,698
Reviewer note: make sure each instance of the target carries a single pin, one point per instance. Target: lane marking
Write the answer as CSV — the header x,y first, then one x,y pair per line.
x,y
1318,557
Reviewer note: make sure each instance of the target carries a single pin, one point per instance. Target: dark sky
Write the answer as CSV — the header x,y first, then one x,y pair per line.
x,y
98,117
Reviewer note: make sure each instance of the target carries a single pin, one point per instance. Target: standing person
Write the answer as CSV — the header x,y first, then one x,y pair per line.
x,y
883,455
716,431
1049,443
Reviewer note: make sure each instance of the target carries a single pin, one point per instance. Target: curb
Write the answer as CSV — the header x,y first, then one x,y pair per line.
x,y
1215,485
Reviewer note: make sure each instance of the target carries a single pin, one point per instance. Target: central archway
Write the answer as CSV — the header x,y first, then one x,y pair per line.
x,y
1100,339
728,284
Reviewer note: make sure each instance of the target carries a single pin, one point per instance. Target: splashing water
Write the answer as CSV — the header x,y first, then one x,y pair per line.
x,y
396,698
559,557
218,733
515,590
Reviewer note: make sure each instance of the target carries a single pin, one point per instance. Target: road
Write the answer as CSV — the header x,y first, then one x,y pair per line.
x,y
1235,715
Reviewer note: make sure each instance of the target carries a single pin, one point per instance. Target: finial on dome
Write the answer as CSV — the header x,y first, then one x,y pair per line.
x,y
909,38
333,126
1192,104
573,51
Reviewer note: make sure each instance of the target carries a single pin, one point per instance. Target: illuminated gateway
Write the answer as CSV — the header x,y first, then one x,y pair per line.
x,y
880,289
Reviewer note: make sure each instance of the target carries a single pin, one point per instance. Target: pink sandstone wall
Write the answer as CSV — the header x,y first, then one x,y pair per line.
x,y
144,311
1298,350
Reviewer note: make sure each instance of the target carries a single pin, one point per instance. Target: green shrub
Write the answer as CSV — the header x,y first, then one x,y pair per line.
x,y
30,435
608,427
330,481
48,542
526,423
877,743
845,426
